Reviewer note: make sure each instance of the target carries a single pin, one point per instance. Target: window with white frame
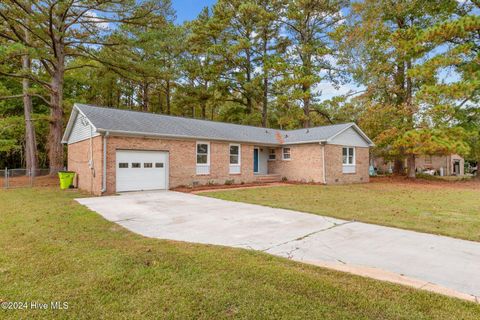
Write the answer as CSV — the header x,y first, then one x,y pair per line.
x,y
203,158
234,154
271,154
235,158
348,154
286,154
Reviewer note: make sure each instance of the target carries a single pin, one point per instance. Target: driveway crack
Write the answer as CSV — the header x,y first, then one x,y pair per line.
x,y
335,225
122,220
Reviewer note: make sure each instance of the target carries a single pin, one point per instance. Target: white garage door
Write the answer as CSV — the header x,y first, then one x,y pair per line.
x,y
141,170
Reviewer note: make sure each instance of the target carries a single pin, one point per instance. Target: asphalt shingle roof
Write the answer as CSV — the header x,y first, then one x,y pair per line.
x,y
134,122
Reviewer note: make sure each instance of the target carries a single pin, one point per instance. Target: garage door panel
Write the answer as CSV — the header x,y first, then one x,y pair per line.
x,y
141,170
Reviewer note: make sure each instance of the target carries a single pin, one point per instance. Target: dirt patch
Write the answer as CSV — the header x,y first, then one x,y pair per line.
x,y
24,181
423,183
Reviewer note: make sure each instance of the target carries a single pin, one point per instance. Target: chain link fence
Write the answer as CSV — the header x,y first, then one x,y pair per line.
x,y
21,178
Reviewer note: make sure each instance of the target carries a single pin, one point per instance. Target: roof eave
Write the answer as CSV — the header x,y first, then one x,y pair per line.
x,y
174,136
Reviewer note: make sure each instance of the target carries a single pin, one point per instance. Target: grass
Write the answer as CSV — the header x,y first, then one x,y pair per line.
x,y
53,249
439,209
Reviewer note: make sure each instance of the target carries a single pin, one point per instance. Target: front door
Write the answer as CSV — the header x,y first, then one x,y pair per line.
x,y
255,160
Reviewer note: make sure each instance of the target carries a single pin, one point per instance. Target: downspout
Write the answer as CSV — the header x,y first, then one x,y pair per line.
x,y
323,143
104,173
90,161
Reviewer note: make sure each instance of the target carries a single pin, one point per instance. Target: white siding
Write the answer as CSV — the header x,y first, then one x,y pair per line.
x,y
80,131
350,137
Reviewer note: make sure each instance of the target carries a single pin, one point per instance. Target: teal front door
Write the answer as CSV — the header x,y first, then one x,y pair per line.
x,y
255,160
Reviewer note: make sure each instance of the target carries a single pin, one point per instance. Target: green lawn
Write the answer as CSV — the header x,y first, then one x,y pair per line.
x,y
53,249
438,209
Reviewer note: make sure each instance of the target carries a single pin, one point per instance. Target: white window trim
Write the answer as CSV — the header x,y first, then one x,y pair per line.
x,y
349,168
239,154
203,165
235,168
283,154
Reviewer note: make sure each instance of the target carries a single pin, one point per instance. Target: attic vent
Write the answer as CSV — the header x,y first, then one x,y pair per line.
x,y
286,136
266,131
308,130
84,121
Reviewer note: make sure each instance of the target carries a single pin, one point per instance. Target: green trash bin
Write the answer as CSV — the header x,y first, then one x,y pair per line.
x,y
66,179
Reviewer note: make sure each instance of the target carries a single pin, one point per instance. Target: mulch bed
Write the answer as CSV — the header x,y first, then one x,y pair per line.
x,y
202,188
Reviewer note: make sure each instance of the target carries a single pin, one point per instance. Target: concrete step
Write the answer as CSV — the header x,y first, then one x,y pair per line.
x,y
268,178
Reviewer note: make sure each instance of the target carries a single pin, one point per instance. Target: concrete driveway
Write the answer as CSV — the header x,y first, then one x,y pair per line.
x,y
442,264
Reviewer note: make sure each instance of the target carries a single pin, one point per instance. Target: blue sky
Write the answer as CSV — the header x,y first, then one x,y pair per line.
x,y
189,9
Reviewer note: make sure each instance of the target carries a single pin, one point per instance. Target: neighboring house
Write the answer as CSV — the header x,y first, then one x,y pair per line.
x,y
114,150
451,165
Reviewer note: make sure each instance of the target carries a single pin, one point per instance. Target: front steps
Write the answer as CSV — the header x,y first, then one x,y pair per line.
x,y
268,178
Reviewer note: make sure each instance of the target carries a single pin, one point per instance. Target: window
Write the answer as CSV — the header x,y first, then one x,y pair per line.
x,y
428,160
148,165
348,156
202,153
235,159
271,154
234,154
159,165
286,154
123,165
136,165
203,158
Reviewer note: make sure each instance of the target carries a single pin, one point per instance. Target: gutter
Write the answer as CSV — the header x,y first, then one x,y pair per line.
x,y
104,169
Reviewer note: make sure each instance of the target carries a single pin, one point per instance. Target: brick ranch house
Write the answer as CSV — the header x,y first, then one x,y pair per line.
x,y
114,150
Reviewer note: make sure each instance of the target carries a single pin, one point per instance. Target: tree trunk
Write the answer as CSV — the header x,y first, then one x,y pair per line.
x,y
306,106
167,93
249,80
204,109
398,166
308,71
145,96
31,154
265,101
411,166
265,80
160,101
55,147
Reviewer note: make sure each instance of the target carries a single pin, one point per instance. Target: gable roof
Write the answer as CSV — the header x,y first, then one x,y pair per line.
x,y
126,122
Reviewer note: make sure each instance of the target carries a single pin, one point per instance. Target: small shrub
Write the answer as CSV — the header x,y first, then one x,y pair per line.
x,y
229,182
284,179
211,182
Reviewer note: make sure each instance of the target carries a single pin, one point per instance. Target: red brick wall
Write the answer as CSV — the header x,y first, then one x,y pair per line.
x,y
182,160
78,161
334,164
305,165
